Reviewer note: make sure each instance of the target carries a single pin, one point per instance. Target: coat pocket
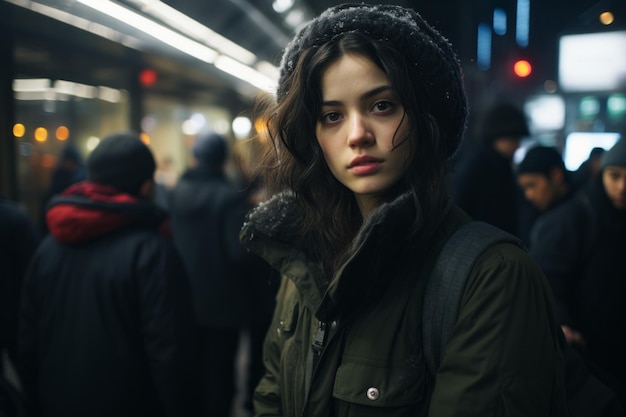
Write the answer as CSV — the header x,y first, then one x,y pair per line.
x,y
374,389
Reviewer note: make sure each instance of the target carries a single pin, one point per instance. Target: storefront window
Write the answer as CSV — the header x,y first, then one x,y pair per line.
x,y
54,119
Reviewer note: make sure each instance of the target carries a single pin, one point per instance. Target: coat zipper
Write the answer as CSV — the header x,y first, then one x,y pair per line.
x,y
318,345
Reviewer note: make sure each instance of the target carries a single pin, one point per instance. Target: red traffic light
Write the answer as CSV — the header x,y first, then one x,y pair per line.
x,y
522,68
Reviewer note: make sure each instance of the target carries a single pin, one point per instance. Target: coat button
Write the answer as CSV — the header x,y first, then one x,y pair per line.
x,y
373,393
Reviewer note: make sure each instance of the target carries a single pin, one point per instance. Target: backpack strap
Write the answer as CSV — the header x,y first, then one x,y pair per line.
x,y
446,283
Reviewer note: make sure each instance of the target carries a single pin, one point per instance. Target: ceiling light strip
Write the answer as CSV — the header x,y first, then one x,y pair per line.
x,y
157,31
195,29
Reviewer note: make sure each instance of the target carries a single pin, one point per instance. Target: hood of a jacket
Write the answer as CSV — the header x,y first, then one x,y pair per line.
x,y
271,231
87,210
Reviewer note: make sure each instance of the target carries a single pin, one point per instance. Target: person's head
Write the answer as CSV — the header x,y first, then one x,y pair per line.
x,y
70,158
210,150
374,82
613,166
503,126
595,156
543,177
123,161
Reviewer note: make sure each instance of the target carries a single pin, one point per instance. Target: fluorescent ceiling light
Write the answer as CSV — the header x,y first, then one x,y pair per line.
x,y
43,89
31,84
80,23
153,29
231,62
195,29
74,89
281,6
268,69
244,72
111,95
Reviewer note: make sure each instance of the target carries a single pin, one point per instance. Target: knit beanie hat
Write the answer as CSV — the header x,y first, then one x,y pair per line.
x,y
503,120
434,65
210,149
616,156
540,160
121,160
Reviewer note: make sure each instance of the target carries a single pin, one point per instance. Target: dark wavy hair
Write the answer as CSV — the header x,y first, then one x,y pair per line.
x,y
294,162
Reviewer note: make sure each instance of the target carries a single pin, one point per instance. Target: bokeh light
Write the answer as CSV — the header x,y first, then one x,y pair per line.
x,y
522,68
606,18
41,134
62,133
19,130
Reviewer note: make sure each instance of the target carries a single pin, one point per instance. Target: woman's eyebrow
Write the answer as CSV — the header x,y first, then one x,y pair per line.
x,y
368,94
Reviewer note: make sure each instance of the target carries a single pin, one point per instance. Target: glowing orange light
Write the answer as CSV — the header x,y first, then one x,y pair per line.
x,y
63,133
145,138
41,134
522,68
606,18
19,130
147,77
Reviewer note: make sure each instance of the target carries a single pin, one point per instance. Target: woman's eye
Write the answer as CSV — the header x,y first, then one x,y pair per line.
x,y
382,106
331,117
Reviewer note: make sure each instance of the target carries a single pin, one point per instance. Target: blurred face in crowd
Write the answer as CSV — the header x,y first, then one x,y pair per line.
x,y
541,190
360,124
506,146
614,180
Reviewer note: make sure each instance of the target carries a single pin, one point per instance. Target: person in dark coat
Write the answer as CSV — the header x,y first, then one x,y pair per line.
x,y
369,108
580,246
589,169
543,178
207,213
545,183
483,182
106,324
18,241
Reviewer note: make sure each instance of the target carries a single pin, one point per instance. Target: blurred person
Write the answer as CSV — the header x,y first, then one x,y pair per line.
x,y
580,246
70,169
369,108
106,324
18,241
207,213
260,280
543,178
483,181
590,168
164,181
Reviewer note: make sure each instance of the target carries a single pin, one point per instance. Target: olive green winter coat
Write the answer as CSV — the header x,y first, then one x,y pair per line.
x,y
354,347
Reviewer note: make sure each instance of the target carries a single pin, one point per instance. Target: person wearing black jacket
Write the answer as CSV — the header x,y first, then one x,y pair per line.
x,y
18,241
483,182
207,213
106,325
546,184
580,246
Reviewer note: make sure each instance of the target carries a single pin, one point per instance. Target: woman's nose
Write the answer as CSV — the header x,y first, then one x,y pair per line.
x,y
359,133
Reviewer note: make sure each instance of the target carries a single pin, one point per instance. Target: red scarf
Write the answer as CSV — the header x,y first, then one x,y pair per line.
x,y
69,222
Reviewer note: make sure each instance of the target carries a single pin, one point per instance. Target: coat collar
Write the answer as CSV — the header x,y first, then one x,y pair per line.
x,y
270,231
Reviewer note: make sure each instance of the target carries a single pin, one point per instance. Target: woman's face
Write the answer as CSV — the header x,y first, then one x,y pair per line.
x,y
359,120
614,180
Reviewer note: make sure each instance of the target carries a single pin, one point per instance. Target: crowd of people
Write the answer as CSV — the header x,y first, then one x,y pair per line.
x,y
126,307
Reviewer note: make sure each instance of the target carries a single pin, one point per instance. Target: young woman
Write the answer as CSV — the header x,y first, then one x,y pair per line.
x,y
369,108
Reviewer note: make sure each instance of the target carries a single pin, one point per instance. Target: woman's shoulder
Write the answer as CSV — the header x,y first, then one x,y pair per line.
x,y
503,269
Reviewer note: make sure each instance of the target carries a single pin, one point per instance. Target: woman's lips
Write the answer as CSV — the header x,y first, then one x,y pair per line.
x,y
364,165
